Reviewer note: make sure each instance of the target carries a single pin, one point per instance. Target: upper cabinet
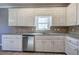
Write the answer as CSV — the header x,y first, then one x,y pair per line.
x,y
26,16
77,14
21,17
58,14
71,14
42,12
12,17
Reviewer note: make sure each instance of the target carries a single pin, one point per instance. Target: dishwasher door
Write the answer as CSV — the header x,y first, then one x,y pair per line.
x,y
28,43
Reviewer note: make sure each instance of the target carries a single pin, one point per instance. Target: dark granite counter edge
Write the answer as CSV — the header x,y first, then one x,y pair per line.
x,y
53,34
73,35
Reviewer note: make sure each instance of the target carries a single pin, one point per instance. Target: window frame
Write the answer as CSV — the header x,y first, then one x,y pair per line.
x,y
49,25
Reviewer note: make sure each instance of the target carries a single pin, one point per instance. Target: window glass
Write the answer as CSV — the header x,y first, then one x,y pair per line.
x,y
43,22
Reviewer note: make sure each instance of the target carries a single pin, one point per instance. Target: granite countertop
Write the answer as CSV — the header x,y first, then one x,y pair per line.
x,y
45,34
74,35
37,34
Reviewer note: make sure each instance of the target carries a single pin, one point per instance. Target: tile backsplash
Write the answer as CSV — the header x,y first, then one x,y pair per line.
x,y
60,29
32,29
74,29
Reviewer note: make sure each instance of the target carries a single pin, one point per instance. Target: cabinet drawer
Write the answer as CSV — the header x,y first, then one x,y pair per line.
x,y
11,36
71,52
72,40
70,48
12,42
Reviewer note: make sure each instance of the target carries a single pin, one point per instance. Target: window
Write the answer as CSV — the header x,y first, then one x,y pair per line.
x,y
43,22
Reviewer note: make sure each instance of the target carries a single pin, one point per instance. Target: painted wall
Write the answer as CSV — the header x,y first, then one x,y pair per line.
x,y
4,22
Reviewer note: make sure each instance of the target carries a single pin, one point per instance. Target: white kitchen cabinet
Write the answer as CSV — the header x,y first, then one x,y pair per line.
x,y
58,14
42,44
12,42
49,43
12,17
77,14
58,42
21,17
70,49
26,16
58,45
71,46
71,14
78,47
41,12
38,45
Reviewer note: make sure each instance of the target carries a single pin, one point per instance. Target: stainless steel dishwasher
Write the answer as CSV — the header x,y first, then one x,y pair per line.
x,y
28,42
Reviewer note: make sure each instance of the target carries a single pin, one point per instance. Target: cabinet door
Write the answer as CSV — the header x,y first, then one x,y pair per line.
x,y
71,46
21,17
17,44
52,45
38,45
59,16
12,42
71,14
47,45
58,46
57,13
42,44
42,12
70,49
78,47
12,13
77,14
6,44
28,17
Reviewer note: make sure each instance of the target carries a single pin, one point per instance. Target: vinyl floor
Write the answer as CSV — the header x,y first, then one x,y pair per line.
x,y
29,53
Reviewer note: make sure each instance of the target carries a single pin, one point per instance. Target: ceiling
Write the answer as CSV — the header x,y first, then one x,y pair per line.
x,y
32,5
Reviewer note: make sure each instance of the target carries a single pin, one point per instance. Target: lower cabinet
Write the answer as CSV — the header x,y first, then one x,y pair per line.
x,y
43,45
78,47
12,42
71,46
58,45
49,43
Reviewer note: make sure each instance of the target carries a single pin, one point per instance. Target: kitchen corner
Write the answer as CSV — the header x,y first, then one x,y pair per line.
x,y
40,28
